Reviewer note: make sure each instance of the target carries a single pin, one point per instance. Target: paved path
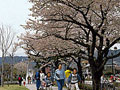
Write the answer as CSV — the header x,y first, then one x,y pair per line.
x,y
33,87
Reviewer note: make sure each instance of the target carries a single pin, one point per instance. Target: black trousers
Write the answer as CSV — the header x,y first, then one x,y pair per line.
x,y
20,83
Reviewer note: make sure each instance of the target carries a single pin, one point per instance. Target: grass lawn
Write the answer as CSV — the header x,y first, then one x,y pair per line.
x,y
13,87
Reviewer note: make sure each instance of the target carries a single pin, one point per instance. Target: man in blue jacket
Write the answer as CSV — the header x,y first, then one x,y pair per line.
x,y
74,79
37,77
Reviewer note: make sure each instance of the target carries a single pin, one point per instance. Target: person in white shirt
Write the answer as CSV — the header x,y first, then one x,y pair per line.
x,y
74,80
42,77
102,81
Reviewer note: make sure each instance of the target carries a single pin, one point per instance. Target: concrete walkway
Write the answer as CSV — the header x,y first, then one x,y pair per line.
x,y
33,87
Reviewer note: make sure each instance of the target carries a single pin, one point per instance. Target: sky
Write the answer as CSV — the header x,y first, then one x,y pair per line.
x,y
14,13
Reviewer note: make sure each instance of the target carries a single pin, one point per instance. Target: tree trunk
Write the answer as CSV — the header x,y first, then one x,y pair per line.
x,y
56,63
79,67
96,78
11,79
2,75
96,83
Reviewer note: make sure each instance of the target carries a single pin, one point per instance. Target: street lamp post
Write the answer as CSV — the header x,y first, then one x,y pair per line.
x,y
113,71
115,48
112,64
113,68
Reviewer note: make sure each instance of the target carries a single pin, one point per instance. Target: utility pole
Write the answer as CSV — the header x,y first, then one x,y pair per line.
x,y
112,64
113,68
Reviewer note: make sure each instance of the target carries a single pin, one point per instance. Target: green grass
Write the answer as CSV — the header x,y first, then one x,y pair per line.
x,y
13,87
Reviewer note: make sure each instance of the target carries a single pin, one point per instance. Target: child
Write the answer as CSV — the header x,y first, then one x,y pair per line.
x,y
24,82
74,79
49,81
67,74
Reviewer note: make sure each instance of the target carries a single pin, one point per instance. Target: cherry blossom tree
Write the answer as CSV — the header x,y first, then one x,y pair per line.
x,y
48,47
92,25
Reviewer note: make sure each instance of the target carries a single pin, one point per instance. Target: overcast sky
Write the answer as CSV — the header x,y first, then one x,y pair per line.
x,y
14,13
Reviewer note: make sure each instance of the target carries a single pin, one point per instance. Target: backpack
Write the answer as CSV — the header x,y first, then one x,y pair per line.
x,y
19,78
37,76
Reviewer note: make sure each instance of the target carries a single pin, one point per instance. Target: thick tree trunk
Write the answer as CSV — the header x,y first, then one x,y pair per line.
x,y
96,83
96,78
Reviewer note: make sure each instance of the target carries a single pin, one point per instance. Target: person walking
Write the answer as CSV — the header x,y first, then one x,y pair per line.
x,y
74,80
67,74
24,82
49,81
42,77
29,80
60,77
20,80
37,77
102,82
